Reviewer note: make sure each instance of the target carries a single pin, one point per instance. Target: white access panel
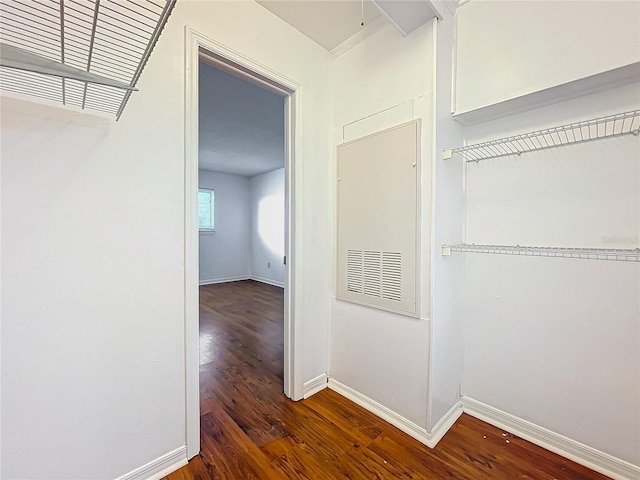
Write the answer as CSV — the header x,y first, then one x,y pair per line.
x,y
378,234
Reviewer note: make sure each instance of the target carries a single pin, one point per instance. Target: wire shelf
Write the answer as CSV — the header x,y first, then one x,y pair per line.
x,y
612,254
604,127
106,38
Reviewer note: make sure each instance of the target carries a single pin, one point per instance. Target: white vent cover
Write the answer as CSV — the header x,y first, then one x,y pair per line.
x,y
378,219
377,274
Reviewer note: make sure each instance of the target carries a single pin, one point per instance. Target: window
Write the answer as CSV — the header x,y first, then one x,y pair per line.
x,y
206,209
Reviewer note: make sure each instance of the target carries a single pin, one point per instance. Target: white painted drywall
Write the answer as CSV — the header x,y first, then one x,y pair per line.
x,y
93,249
225,254
447,334
557,341
509,49
381,82
267,227
92,293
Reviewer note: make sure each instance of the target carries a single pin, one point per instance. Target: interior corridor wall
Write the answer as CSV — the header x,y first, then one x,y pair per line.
x,y
225,253
384,81
92,224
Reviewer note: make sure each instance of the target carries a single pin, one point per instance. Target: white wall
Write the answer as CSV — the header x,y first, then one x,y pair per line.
x,y
248,241
267,227
447,329
92,258
92,367
510,49
381,82
225,254
557,341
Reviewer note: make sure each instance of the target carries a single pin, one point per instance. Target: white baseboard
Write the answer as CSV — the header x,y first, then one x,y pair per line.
x,y
224,280
445,423
268,281
578,452
160,467
314,385
397,420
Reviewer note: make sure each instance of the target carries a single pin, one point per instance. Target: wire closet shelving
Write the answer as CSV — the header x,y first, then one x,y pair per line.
x,y
615,254
107,39
598,128
624,123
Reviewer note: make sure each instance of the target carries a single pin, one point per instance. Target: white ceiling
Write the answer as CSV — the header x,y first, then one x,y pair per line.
x,y
327,22
241,126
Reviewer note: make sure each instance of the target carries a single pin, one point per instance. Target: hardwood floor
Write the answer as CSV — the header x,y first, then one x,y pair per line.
x,y
249,430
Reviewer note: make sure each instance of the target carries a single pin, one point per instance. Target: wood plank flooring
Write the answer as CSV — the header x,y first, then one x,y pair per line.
x,y
249,430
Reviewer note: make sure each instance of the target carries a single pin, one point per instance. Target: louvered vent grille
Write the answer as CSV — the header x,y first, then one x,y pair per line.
x,y
392,276
355,263
377,274
372,273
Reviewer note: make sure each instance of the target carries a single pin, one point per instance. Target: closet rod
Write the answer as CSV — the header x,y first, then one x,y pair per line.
x,y
613,254
595,129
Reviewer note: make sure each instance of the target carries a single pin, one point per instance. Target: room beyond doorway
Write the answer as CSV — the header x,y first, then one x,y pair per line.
x,y
202,49
241,179
241,207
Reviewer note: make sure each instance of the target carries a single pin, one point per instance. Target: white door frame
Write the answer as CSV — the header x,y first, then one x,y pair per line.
x,y
197,47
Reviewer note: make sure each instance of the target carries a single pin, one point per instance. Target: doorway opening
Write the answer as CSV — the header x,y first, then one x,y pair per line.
x,y
207,54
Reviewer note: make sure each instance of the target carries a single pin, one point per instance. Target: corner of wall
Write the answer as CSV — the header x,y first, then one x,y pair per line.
x,y
447,336
160,467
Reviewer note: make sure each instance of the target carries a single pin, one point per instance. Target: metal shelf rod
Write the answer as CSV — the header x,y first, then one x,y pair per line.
x,y
612,254
624,123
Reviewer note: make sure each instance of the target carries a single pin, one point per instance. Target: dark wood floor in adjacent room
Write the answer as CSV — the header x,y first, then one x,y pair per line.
x,y
249,430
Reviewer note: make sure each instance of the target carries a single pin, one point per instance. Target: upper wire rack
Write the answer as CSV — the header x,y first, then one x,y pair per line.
x,y
588,130
110,38
614,254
